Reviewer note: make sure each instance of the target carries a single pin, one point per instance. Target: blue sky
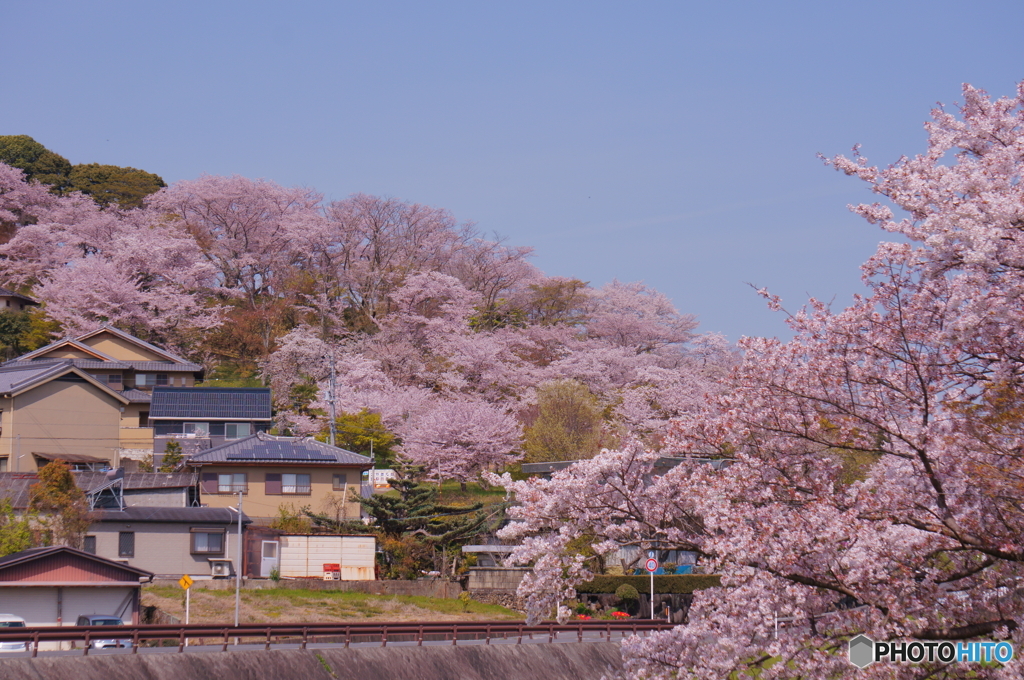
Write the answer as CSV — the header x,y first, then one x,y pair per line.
x,y
668,142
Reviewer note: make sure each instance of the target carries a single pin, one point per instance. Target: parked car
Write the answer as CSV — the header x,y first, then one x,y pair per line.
x,y
104,620
12,621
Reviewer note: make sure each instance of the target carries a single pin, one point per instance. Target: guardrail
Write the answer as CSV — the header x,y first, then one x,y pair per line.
x,y
305,633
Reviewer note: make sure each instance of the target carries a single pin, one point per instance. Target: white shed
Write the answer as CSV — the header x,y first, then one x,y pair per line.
x,y
304,556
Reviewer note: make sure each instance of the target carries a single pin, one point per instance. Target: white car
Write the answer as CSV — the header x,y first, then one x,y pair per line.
x,y
12,621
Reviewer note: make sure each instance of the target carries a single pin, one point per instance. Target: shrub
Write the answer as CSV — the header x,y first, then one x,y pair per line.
x,y
627,592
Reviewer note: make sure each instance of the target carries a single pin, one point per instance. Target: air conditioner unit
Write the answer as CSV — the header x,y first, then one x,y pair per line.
x,y
220,568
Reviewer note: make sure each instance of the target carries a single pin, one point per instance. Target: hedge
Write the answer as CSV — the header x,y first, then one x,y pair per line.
x,y
668,583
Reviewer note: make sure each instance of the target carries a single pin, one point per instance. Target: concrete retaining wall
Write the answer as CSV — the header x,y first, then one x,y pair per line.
x,y
495,578
571,661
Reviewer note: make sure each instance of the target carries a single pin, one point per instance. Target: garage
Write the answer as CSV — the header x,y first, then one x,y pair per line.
x,y
53,586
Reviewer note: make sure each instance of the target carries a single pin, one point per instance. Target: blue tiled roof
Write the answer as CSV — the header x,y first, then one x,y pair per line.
x,y
265,448
214,403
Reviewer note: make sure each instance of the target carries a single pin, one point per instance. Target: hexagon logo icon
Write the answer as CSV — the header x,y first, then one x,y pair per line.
x,y
862,651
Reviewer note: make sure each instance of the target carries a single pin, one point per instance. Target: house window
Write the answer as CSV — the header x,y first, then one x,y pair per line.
x,y
197,429
143,418
143,379
207,541
3,464
296,484
113,380
89,545
232,483
236,430
126,544
161,379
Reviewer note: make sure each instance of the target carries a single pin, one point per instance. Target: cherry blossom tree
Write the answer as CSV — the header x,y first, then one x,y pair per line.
x,y
876,470
459,438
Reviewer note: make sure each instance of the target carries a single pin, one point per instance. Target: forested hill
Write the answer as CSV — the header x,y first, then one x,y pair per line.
x,y
438,335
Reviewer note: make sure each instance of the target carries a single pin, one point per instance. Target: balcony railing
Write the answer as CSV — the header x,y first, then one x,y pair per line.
x,y
232,488
294,490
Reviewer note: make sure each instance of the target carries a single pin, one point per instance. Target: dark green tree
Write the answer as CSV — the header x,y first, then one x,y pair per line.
x,y
14,327
38,162
172,457
108,184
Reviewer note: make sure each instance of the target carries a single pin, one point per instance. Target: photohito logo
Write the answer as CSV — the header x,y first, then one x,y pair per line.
x,y
865,651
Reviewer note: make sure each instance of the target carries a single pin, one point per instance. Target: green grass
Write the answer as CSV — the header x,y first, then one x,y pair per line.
x,y
276,603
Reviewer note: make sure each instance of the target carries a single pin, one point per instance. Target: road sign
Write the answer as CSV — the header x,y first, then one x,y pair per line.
x,y
185,581
652,565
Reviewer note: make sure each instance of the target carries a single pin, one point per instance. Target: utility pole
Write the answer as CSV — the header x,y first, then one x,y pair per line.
x,y
331,399
238,574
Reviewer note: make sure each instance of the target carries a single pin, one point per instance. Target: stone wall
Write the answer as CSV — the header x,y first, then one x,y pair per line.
x,y
560,661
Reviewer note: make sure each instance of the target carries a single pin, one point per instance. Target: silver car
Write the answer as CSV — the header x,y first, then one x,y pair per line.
x,y
104,620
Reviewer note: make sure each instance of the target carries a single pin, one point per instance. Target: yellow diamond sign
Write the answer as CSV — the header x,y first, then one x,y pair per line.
x,y
185,581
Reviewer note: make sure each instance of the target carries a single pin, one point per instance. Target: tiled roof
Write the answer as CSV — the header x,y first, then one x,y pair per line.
x,y
5,292
215,403
15,485
87,364
18,377
137,480
137,396
104,365
164,366
265,448
184,515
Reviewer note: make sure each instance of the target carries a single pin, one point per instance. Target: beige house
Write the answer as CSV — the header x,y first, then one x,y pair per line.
x,y
57,410
273,471
127,365
169,542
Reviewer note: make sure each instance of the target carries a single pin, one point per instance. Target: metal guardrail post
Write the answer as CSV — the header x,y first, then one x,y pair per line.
x,y
455,635
181,640
267,645
305,633
348,635
135,642
225,647
384,637
419,637
35,645
85,652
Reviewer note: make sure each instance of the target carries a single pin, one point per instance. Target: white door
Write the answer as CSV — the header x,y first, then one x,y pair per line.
x,y
268,559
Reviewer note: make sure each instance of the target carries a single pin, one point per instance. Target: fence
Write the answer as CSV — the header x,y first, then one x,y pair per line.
x,y
305,633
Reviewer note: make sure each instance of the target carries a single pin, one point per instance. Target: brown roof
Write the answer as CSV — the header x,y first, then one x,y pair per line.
x,y
61,563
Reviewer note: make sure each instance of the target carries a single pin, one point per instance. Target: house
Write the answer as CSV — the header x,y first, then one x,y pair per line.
x,y
54,586
126,364
56,409
270,471
200,418
170,542
11,301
